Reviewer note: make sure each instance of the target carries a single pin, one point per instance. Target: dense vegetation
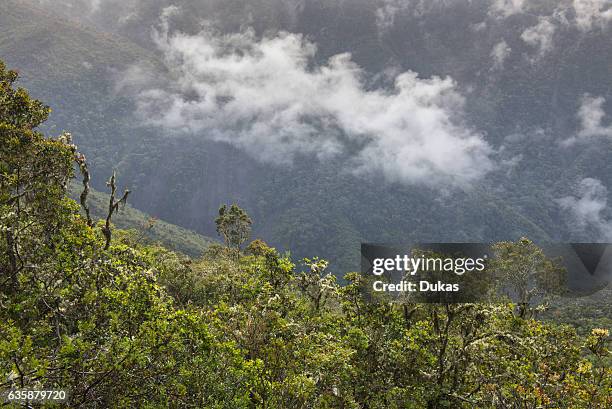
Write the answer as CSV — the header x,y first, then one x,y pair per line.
x,y
137,325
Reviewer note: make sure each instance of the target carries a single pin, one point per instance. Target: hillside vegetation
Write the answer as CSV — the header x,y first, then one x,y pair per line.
x,y
145,227
119,323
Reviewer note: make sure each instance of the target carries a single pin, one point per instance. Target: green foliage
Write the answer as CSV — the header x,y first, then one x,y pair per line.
x,y
523,270
583,313
137,325
234,225
81,317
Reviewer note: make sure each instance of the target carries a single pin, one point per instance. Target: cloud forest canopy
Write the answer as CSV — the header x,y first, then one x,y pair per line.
x,y
132,324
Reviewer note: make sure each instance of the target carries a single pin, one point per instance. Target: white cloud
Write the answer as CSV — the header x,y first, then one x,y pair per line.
x,y
477,27
90,6
540,35
120,11
387,10
591,115
587,210
506,8
269,97
385,13
499,54
588,14
591,13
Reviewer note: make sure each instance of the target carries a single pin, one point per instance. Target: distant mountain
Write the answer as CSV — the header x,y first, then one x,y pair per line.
x,y
522,93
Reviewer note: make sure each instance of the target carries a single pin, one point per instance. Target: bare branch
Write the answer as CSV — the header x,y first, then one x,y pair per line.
x,y
113,207
81,161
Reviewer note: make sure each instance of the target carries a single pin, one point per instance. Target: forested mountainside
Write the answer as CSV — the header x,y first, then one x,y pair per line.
x,y
145,228
116,322
523,73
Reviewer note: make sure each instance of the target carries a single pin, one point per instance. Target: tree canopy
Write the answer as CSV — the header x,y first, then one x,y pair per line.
x,y
122,324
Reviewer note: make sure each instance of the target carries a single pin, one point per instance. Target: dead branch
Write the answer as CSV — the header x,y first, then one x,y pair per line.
x,y
113,207
81,161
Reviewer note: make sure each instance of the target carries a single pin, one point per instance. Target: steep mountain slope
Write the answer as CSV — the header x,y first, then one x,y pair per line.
x,y
73,69
147,228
